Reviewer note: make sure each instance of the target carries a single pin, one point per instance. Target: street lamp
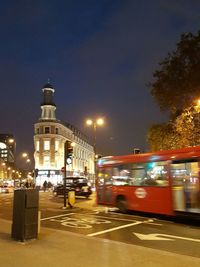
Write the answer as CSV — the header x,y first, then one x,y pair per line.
x,y
25,156
95,123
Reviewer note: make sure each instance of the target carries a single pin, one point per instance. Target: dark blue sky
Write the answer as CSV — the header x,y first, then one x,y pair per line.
x,y
98,54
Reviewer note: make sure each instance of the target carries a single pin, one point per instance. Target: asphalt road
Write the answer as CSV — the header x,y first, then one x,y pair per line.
x,y
96,221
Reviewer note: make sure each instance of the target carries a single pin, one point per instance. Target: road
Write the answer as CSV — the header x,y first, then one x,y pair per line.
x,y
98,222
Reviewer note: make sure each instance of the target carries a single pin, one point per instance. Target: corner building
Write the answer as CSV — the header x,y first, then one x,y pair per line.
x,y
50,136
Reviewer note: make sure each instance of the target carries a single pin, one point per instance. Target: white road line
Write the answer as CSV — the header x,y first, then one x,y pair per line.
x,y
152,223
149,221
62,215
163,237
115,228
105,217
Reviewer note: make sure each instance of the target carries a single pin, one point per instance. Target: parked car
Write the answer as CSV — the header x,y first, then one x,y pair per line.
x,y
78,184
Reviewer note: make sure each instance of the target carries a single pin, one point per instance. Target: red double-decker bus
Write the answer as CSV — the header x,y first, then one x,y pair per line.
x,y
163,182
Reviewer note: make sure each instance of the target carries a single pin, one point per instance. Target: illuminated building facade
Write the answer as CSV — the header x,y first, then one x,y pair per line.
x,y
50,136
7,155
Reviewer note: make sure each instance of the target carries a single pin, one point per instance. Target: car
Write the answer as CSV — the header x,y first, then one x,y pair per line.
x,y
80,185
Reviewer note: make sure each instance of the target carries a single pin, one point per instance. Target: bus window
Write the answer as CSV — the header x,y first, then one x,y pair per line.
x,y
105,177
104,185
121,175
141,174
156,174
185,183
128,174
108,176
138,174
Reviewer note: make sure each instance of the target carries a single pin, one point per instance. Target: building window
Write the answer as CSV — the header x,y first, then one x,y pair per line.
x,y
37,145
38,130
56,130
46,145
2,145
56,145
46,161
46,130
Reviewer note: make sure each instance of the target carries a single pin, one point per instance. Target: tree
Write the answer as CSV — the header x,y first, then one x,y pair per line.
x,y
162,137
175,87
177,83
187,125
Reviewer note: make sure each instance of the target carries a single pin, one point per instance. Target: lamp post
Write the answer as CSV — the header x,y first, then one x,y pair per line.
x,y
25,155
94,123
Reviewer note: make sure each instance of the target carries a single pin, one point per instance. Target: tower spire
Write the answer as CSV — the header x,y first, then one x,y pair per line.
x,y
48,106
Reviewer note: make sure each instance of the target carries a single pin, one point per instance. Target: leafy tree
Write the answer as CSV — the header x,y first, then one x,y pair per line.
x,y
187,125
162,136
175,87
177,82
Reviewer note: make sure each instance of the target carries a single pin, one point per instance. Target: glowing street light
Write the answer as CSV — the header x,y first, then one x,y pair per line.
x,y
95,123
11,140
24,155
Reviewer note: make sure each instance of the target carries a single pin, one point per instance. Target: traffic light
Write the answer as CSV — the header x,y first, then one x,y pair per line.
x,y
69,153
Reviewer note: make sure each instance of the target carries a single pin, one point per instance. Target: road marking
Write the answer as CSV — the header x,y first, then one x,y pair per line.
x,y
163,237
79,223
61,215
151,237
152,223
149,221
115,228
107,217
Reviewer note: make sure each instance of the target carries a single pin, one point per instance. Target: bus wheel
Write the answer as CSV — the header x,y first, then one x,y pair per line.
x,y
122,204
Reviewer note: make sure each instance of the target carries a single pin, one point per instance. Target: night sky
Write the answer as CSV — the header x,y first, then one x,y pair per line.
x,y
98,54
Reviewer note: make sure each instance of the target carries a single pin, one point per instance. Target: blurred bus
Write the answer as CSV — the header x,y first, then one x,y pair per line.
x,y
163,182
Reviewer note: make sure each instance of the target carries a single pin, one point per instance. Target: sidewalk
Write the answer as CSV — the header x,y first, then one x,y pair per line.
x,y
60,248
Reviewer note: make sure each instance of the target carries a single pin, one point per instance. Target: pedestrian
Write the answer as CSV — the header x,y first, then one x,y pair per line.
x,y
45,185
27,184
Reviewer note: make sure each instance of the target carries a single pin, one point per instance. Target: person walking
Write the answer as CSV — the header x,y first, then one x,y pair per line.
x,y
45,185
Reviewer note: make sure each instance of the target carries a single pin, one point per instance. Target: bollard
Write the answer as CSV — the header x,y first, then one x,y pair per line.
x,y
71,198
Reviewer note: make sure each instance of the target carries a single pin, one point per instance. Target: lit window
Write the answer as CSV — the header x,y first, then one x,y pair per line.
x,y
2,145
56,145
46,145
37,145
46,161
